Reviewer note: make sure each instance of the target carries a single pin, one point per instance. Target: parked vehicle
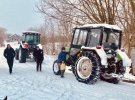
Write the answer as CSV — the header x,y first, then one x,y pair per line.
x,y
30,39
96,53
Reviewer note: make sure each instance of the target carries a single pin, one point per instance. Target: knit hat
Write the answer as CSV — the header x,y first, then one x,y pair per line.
x,y
63,48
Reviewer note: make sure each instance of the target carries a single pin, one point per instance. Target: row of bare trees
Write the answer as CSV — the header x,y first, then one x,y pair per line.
x,y
66,14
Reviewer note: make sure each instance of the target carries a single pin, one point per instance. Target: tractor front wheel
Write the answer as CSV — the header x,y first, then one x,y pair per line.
x,y
56,68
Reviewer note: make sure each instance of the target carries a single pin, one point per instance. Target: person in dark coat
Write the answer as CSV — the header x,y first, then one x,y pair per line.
x,y
39,57
62,59
9,54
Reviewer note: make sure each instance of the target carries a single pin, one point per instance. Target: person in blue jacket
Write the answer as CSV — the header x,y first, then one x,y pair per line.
x,y
62,55
62,58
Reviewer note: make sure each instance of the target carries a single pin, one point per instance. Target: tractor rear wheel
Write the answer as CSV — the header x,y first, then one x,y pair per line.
x,y
87,69
22,55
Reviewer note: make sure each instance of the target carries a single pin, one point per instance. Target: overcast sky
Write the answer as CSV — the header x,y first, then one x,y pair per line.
x,y
18,15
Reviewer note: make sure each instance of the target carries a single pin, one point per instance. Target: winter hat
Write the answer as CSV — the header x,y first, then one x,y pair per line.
x,y
63,48
39,46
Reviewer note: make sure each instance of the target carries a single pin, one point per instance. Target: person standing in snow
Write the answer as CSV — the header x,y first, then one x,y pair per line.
x,y
39,57
9,54
62,60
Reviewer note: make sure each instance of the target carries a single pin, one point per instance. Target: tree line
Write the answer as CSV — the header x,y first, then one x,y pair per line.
x,y
61,16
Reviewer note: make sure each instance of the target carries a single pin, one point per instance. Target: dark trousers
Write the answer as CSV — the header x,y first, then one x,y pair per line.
x,y
39,65
62,73
10,64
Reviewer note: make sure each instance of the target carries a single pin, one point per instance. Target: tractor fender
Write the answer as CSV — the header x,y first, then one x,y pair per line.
x,y
102,56
125,59
101,53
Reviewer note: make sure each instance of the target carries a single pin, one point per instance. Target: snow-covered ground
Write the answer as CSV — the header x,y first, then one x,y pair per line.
x,y
27,84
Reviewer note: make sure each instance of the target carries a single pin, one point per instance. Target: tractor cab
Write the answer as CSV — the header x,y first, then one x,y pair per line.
x,y
96,35
32,38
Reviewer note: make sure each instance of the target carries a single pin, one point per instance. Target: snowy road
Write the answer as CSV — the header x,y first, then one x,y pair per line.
x,y
27,84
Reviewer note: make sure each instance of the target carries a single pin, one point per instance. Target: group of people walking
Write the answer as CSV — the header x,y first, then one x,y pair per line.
x,y
9,54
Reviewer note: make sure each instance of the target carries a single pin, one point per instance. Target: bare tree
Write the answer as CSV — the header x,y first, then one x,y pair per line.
x,y
126,19
70,13
60,14
81,11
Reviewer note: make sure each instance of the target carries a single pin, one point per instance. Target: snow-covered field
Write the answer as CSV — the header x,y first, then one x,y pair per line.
x,y
27,84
